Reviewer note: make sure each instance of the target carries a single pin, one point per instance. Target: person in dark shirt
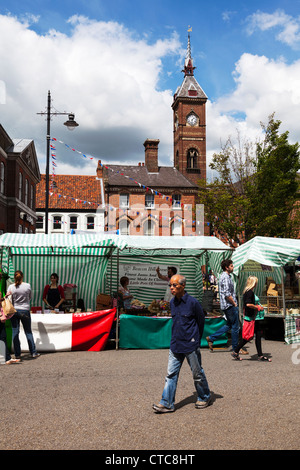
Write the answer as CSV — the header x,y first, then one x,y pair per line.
x,y
252,311
187,329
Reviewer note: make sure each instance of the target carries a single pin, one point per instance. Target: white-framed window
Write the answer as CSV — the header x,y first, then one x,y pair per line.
x,y
57,222
20,185
149,228
124,201
90,222
26,192
124,227
2,178
149,201
176,228
39,225
176,201
31,196
73,222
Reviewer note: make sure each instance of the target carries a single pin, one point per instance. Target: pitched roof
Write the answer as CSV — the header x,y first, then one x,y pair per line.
x,y
72,192
167,177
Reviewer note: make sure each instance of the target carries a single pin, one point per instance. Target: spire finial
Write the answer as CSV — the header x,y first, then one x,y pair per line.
x,y
188,63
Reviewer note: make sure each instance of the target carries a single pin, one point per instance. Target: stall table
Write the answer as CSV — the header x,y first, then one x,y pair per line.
x,y
85,331
155,332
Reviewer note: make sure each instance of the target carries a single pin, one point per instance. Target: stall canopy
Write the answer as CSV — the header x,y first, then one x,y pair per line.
x,y
77,259
141,255
268,254
266,251
83,260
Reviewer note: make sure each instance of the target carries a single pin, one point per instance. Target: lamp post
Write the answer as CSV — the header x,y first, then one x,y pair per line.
x,y
71,124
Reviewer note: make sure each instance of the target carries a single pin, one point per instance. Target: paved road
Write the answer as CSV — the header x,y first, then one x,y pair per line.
x,y
87,400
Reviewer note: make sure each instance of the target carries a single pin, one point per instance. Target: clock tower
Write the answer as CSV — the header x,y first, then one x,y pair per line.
x,y
189,119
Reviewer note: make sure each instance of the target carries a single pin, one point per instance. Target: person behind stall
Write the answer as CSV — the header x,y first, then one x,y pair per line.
x,y
252,311
125,292
171,272
21,295
53,295
187,329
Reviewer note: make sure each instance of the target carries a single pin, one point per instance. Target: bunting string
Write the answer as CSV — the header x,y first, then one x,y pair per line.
x,y
141,185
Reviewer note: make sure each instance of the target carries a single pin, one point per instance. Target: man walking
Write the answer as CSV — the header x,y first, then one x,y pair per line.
x,y
187,329
228,303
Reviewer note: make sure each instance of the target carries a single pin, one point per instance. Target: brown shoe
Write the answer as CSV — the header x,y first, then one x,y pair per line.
x,y
243,352
162,409
210,344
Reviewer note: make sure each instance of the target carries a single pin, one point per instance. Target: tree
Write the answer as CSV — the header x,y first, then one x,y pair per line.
x,y
274,190
256,189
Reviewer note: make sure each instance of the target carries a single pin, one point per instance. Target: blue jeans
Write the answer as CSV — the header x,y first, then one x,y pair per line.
x,y
232,323
174,366
25,318
3,346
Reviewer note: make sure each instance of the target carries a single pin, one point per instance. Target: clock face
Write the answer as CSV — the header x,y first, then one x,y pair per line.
x,y
192,120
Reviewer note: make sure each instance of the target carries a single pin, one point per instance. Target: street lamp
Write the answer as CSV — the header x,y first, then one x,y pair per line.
x,y
71,124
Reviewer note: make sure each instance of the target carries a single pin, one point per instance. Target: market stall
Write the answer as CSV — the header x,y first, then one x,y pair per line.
x,y
139,261
267,259
93,263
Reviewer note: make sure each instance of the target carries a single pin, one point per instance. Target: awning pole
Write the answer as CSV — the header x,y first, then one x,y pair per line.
x,y
283,292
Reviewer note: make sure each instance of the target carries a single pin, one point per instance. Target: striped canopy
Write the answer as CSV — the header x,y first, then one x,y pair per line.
x,y
83,260
77,259
267,251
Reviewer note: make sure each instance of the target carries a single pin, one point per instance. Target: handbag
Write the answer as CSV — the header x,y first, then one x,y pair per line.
x,y
248,330
8,308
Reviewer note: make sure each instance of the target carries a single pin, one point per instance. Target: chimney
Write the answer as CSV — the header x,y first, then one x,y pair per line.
x,y
99,170
151,155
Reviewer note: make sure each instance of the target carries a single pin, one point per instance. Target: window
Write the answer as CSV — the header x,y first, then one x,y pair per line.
x,y
73,222
124,227
149,228
90,222
57,222
192,159
20,185
31,197
26,192
176,228
149,201
40,222
124,201
176,201
2,177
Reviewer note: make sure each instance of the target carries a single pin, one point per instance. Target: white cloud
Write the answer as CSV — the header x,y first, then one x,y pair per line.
x,y
289,27
263,86
101,72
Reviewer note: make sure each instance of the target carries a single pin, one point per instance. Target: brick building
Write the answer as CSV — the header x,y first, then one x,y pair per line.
x,y
19,175
143,199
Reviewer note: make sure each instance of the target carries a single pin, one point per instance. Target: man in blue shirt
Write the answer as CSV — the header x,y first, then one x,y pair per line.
x,y
187,329
228,303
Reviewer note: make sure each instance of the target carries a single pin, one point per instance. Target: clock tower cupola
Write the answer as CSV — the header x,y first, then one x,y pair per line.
x,y
189,118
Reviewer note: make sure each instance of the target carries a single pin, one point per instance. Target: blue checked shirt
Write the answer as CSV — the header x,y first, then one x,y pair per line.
x,y
226,289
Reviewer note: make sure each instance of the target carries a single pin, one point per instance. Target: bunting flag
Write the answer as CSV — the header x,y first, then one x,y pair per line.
x,y
86,331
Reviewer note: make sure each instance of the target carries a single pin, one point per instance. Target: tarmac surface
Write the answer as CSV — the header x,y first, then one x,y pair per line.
x,y
103,401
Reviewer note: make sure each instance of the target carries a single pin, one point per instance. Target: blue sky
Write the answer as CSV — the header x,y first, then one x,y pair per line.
x,y
117,63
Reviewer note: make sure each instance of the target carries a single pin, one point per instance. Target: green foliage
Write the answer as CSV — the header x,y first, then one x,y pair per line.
x,y
257,187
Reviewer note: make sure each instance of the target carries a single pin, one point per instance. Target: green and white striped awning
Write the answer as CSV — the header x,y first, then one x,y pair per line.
x,y
266,251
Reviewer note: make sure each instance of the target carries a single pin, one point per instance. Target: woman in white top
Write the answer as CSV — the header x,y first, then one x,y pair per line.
x,y
21,296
